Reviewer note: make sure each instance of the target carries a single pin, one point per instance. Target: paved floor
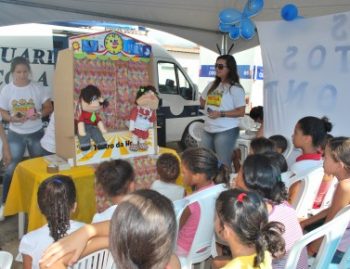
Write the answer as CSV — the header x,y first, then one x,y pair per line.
x,y
9,237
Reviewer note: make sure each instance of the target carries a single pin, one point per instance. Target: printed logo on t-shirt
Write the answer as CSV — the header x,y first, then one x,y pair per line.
x,y
23,107
215,98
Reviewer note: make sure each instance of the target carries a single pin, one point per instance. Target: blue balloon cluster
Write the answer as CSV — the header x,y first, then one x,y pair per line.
x,y
238,24
289,12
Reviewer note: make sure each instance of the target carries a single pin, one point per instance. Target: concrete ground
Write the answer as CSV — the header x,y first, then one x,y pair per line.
x,y
9,238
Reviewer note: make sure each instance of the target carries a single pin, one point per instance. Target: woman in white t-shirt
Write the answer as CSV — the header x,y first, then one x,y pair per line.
x,y
224,102
22,103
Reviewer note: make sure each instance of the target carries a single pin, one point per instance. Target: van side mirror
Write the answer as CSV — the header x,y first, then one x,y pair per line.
x,y
169,82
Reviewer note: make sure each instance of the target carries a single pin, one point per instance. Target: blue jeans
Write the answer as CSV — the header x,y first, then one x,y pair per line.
x,y
94,133
18,144
221,143
338,256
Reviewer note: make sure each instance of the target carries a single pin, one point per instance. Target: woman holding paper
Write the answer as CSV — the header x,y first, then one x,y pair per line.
x,y
224,102
23,104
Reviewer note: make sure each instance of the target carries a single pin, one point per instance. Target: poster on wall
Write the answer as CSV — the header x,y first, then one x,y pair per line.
x,y
306,72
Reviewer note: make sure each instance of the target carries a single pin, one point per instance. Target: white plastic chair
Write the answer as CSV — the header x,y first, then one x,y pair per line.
x,y
332,233
289,149
101,259
327,200
311,182
195,130
202,243
6,259
244,145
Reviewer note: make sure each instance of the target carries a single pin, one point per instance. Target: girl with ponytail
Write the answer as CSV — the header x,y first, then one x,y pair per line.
x,y
201,169
310,134
261,174
242,221
57,201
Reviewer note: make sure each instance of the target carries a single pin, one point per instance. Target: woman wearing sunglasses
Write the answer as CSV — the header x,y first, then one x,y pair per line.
x,y
224,102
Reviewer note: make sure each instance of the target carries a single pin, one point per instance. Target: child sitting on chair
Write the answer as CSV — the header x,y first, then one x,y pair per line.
x,y
280,142
337,163
309,135
242,221
116,178
168,168
141,235
57,201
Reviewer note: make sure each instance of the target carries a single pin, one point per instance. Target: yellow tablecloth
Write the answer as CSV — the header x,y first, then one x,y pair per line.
x,y
29,174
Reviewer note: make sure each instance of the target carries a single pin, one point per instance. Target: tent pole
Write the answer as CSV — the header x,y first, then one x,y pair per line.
x,y
224,44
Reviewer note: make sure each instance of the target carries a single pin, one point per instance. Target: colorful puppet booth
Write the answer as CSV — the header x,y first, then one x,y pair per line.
x,y
117,65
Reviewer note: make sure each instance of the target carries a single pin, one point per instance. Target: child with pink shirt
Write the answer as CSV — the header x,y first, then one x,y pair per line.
x,y
201,170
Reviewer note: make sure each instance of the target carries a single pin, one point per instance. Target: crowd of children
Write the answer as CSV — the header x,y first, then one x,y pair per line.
x,y
254,217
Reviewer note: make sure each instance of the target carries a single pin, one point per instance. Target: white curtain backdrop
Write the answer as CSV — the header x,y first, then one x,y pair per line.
x,y
306,72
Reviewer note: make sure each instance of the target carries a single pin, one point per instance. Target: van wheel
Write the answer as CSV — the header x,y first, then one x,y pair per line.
x,y
191,135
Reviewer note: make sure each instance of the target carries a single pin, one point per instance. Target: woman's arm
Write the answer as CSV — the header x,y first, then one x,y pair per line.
x,y
27,261
74,243
202,102
6,153
7,117
234,113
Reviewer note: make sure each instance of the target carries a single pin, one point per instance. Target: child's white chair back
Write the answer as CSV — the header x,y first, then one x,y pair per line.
x,y
202,242
311,182
327,200
331,232
6,259
289,149
101,259
195,130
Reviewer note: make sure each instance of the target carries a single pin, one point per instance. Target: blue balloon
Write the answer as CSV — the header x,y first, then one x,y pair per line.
x,y
253,7
234,32
289,12
230,16
247,30
225,28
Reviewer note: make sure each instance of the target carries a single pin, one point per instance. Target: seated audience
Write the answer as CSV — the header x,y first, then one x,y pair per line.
x,y
309,134
281,143
337,163
116,178
57,201
141,235
242,221
168,168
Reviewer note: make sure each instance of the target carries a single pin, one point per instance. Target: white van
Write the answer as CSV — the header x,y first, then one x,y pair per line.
x,y
179,99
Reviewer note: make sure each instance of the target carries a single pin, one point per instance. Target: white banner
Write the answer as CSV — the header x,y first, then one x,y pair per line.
x,y
306,72
33,42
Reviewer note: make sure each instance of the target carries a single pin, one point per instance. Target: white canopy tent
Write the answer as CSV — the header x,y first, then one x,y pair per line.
x,y
195,20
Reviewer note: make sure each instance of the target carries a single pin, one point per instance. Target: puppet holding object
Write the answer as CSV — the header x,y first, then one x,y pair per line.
x,y
143,116
90,125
